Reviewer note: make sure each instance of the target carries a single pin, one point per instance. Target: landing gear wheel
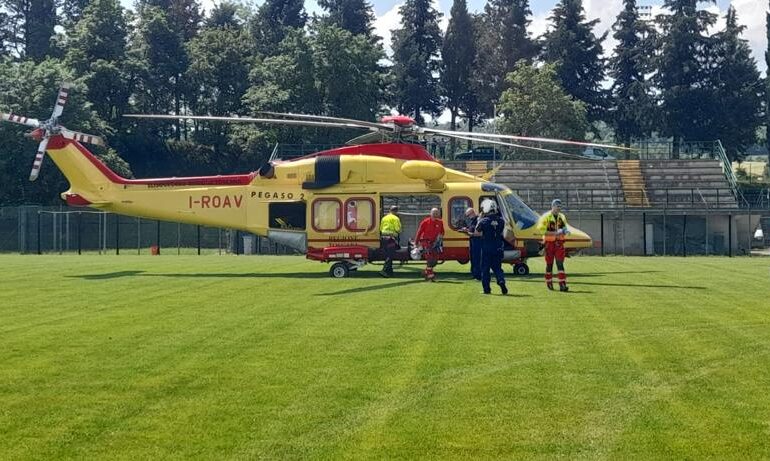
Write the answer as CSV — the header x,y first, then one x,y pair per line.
x,y
339,270
521,269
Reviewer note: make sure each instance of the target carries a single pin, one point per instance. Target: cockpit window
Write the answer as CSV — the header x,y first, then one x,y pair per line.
x,y
522,214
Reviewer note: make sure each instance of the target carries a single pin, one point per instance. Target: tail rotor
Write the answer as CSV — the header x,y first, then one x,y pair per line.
x,y
46,129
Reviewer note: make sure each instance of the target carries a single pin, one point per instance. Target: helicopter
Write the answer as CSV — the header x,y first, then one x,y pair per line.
x,y
326,205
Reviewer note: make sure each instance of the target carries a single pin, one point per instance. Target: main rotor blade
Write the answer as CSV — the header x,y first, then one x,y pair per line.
x,y
363,123
250,120
38,159
520,146
13,118
82,137
61,100
366,138
526,138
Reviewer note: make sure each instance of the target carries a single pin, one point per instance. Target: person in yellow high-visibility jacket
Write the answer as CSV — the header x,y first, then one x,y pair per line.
x,y
553,225
390,229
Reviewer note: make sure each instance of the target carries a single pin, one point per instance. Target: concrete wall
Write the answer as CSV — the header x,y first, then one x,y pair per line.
x,y
666,234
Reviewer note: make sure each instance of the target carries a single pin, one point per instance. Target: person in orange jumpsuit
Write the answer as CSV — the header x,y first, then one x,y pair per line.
x,y
553,225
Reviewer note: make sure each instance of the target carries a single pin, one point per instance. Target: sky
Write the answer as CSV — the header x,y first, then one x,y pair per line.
x,y
751,13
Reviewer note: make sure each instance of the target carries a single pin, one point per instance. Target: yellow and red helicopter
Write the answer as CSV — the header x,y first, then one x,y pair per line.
x,y
326,205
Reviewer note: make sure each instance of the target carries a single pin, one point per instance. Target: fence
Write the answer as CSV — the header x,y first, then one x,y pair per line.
x,y
33,229
669,232
689,198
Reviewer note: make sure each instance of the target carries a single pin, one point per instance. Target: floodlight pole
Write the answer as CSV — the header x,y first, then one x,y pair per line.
x,y
684,236
38,233
601,232
80,230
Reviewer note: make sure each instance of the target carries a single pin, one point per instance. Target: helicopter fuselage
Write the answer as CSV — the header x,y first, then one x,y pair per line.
x,y
332,199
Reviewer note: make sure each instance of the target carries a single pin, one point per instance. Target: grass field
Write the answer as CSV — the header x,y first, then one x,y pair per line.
x,y
139,357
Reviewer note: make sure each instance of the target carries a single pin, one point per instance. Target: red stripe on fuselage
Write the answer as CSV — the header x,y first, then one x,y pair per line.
x,y
59,142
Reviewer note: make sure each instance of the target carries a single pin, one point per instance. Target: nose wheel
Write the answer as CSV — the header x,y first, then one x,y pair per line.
x,y
520,269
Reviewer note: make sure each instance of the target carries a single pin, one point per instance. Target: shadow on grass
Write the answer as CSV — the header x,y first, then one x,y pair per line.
x,y
529,279
373,288
410,275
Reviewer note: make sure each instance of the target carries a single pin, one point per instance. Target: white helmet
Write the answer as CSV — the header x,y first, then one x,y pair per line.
x,y
488,206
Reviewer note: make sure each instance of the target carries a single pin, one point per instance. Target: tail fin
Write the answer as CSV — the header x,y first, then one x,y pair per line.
x,y
91,181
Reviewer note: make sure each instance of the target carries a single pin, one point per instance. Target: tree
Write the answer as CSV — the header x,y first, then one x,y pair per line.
x,y
683,70
96,52
184,16
72,11
348,73
632,101
6,35
274,20
224,15
219,77
159,61
738,87
330,72
502,40
29,27
458,54
415,59
572,45
535,104
355,16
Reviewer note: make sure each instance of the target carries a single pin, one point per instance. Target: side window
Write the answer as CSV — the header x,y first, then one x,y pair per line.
x,y
326,215
359,214
457,207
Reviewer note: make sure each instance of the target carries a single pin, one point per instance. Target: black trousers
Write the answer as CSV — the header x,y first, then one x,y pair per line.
x,y
491,259
389,245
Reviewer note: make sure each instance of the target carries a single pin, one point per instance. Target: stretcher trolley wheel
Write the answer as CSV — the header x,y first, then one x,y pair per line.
x,y
521,269
339,270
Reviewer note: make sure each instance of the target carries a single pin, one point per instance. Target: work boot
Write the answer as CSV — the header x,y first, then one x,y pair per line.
x,y
503,289
563,287
549,285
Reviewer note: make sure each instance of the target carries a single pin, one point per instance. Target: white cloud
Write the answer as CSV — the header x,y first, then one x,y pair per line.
x,y
391,20
754,20
384,24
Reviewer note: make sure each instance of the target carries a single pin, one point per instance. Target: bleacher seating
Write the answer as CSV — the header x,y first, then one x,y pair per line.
x,y
687,184
584,184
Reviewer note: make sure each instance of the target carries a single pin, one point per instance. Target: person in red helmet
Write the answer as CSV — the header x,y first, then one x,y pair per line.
x,y
430,237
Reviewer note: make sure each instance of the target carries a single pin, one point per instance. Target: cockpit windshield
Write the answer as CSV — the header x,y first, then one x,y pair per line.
x,y
522,214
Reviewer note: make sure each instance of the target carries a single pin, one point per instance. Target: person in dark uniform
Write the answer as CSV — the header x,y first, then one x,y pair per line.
x,y
471,219
490,228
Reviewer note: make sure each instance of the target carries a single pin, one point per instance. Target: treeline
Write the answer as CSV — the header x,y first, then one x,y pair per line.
x,y
668,77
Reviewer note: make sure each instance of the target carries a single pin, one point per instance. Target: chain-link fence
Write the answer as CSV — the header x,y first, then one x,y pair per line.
x,y
32,229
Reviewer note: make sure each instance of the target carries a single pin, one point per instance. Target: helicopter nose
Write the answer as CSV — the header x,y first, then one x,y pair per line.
x,y
579,237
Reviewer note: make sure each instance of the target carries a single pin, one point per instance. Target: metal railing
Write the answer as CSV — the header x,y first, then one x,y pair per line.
x,y
682,198
727,169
